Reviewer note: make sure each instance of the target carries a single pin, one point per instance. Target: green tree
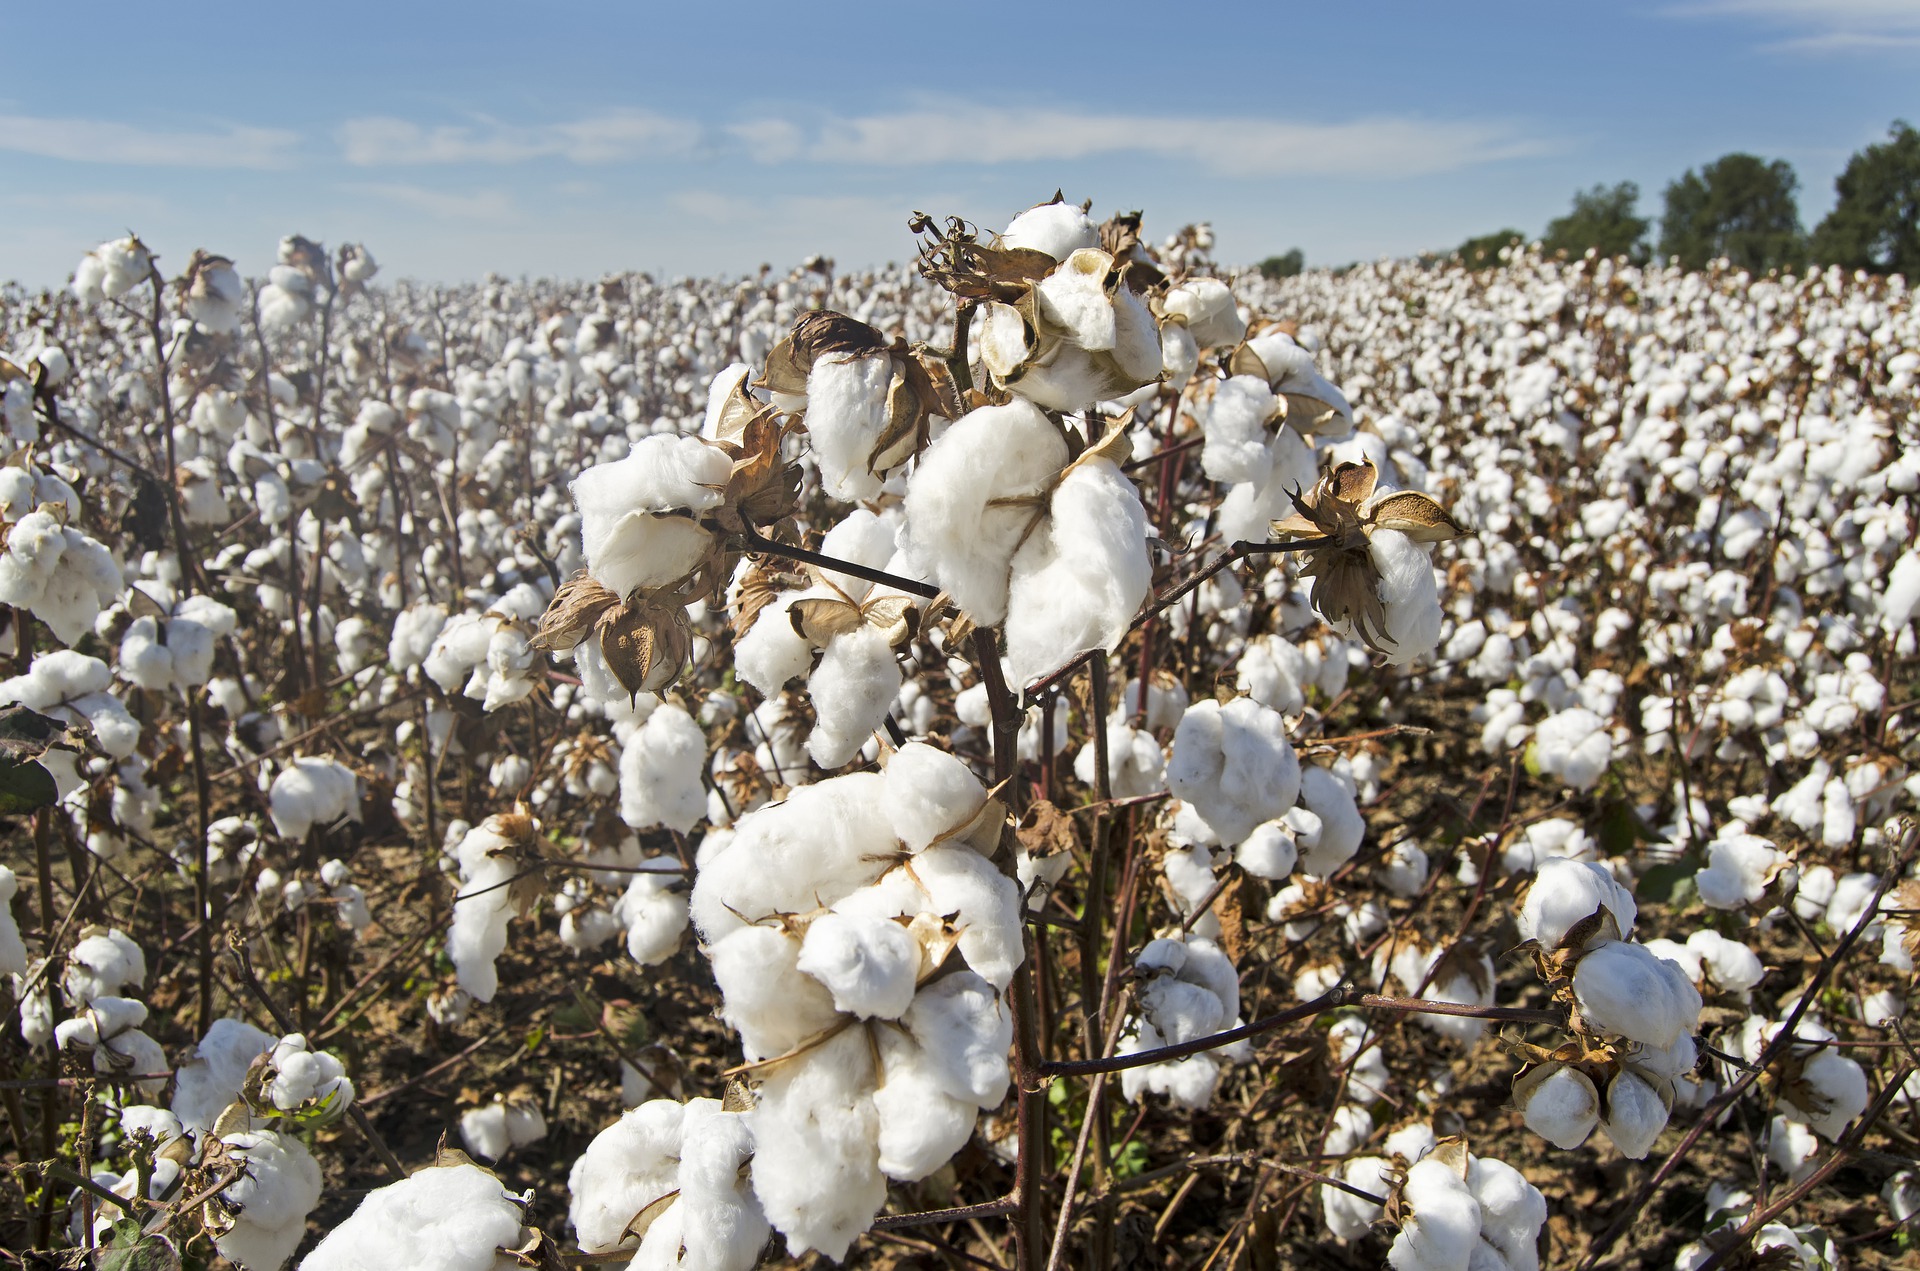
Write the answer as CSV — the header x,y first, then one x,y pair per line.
x,y
1283,266
1740,207
1876,224
1604,219
1484,252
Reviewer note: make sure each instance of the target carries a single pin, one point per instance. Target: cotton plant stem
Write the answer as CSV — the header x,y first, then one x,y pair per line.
x,y
761,544
286,1025
1782,1040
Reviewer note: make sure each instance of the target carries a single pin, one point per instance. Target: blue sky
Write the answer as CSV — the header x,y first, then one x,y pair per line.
x,y
578,138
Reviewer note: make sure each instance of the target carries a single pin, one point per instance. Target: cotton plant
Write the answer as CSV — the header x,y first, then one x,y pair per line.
x,y
861,940
1634,1015
1186,989
452,1216
506,1122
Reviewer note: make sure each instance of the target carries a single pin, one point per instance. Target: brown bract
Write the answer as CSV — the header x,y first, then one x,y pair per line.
x,y
919,388
1342,509
818,619
646,642
957,261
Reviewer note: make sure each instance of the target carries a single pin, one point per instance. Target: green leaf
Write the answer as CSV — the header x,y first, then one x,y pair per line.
x,y
24,786
1660,882
26,734
129,1250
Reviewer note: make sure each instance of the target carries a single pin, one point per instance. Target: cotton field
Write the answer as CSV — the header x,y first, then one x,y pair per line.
x,y
1062,753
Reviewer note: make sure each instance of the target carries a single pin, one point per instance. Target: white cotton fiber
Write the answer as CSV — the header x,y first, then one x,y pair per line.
x,y
1627,989
852,689
1080,577
1564,892
930,794
846,417
626,530
1409,594
450,1218
206,1083
920,1125
1234,765
660,769
993,453
868,964
816,1166
1239,442
1057,229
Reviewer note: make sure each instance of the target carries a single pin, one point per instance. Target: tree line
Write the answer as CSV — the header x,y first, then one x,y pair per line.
x,y
1741,208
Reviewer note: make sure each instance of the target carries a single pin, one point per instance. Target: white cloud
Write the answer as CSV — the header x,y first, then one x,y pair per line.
x,y
378,141
110,141
1823,26
481,205
1237,145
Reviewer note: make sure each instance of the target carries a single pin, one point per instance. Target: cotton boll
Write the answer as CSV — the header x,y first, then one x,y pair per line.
x,y
1268,852
1349,1217
767,998
816,1168
1636,1113
1562,1108
1408,594
1831,1092
1625,989
1563,893
1443,1223
1728,963
489,863
870,965
846,417
310,792
772,653
1234,765
627,533
206,1083
627,1168
1737,871
1574,746
102,964
1341,828
1512,1211
13,951
930,794
654,915
852,690
1057,229
811,850
272,1198
660,769
920,1126
449,1218
967,546
1236,425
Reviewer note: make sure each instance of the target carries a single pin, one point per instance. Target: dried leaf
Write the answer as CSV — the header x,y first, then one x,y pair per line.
x,y
784,373
1045,830
823,331
1414,514
1244,361
895,617
818,619
572,613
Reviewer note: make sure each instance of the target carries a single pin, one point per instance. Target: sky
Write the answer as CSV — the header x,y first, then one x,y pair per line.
x,y
574,139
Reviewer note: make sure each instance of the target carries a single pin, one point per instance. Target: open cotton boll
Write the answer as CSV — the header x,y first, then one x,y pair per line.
x,y
716,1224
1057,229
302,1075
864,539
1204,308
1512,1211
1441,1226
823,842
653,913
449,1218
482,907
13,951
1628,990
102,964
627,1168
1728,963
930,794
816,1165
765,996
995,452
1408,594
205,1084
1291,372
1078,579
1563,1108
1135,765
310,792
846,418
1563,893
1831,1092
272,1199
1341,827
1351,1217
965,1027
1239,443
1234,765
1900,600
920,1126
1636,1113
628,537
771,652
852,689
958,880
1575,746
1269,852
660,770
870,965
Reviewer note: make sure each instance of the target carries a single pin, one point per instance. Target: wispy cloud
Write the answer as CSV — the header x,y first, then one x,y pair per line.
x,y
111,141
480,205
1822,26
1235,145
615,137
